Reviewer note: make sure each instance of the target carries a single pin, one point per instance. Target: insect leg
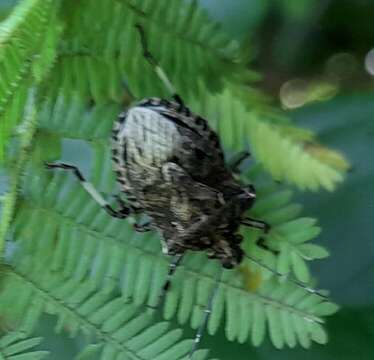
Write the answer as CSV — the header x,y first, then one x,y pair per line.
x,y
237,159
121,214
206,315
286,276
143,227
175,261
261,243
160,73
258,224
123,208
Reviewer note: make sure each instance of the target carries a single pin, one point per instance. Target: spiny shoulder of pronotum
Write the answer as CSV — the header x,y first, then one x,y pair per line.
x,y
162,131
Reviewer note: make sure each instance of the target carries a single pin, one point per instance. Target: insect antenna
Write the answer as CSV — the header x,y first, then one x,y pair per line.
x,y
286,276
160,73
206,315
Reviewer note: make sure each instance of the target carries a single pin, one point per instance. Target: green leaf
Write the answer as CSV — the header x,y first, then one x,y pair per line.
x,y
16,346
312,251
139,262
88,352
123,329
26,136
299,268
276,332
22,38
258,327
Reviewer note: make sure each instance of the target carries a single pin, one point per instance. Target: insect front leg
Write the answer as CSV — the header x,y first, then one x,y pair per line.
x,y
257,224
262,244
122,213
261,225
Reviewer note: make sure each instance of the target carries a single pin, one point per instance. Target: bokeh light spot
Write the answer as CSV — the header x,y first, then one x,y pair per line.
x,y
294,93
341,66
369,62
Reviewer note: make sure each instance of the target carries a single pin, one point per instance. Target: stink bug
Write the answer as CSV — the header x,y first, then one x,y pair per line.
x,y
171,167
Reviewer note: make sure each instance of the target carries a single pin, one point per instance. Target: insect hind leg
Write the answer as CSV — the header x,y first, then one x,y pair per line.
x,y
122,213
159,71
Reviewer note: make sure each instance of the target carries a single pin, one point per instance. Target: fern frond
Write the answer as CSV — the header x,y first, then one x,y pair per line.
x,y
203,64
79,239
25,139
287,160
289,235
283,156
15,346
70,118
23,45
193,46
290,317
119,329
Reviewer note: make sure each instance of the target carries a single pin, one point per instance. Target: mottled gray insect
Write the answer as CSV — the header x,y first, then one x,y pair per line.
x,y
170,166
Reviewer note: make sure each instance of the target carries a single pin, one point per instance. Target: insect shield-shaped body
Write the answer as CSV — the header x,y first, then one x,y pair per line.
x,y
171,166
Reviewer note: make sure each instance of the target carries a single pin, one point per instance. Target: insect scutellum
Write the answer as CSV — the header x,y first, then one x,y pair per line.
x,y
170,165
